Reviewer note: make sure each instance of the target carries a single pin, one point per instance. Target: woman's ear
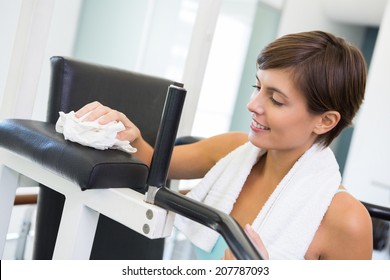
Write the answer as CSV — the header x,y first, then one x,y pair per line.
x,y
327,122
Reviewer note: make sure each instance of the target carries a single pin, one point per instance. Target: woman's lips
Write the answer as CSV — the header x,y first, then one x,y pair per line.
x,y
258,126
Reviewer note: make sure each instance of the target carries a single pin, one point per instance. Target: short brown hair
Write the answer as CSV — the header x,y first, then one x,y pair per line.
x,y
329,71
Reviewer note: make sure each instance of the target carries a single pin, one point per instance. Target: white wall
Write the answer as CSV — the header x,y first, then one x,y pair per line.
x,y
367,171
224,68
33,31
9,14
361,12
33,22
307,15
60,41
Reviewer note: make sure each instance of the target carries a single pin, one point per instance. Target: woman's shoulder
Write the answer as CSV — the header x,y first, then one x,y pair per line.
x,y
349,226
348,212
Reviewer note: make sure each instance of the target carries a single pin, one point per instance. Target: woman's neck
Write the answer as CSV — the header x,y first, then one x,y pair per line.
x,y
277,164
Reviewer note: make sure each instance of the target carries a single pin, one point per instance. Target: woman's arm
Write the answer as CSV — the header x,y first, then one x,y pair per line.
x,y
188,161
195,160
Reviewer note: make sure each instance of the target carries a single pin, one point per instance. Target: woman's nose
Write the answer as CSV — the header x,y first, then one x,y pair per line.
x,y
255,104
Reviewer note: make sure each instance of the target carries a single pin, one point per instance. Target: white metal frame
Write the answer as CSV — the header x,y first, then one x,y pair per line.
x,y
81,209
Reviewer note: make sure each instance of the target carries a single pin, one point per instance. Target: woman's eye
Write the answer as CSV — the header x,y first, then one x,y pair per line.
x,y
277,103
256,87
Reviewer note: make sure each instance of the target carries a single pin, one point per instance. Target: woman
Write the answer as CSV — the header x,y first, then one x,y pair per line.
x,y
284,181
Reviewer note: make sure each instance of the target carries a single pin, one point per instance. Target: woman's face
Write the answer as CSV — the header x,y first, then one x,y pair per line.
x,y
280,120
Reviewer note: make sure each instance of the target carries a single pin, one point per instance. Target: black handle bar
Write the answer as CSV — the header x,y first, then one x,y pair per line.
x,y
238,241
166,135
158,194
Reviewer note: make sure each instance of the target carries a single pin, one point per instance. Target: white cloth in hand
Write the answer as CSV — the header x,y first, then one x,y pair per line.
x,y
91,133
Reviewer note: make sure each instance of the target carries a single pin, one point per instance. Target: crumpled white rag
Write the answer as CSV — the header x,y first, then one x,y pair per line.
x,y
91,133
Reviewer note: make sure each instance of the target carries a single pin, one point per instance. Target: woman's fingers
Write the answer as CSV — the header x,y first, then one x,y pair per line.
x,y
107,115
87,108
130,134
228,255
252,234
97,111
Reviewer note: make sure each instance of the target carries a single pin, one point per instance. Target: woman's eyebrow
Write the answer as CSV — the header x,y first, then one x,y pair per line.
x,y
278,91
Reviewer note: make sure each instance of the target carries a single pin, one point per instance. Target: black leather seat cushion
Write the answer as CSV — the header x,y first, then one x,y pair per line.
x,y
88,167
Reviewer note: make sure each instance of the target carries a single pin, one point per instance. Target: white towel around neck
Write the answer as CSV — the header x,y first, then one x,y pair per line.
x,y
91,133
292,214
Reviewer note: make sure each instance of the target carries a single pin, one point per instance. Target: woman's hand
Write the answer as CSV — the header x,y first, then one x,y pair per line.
x,y
255,239
106,115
